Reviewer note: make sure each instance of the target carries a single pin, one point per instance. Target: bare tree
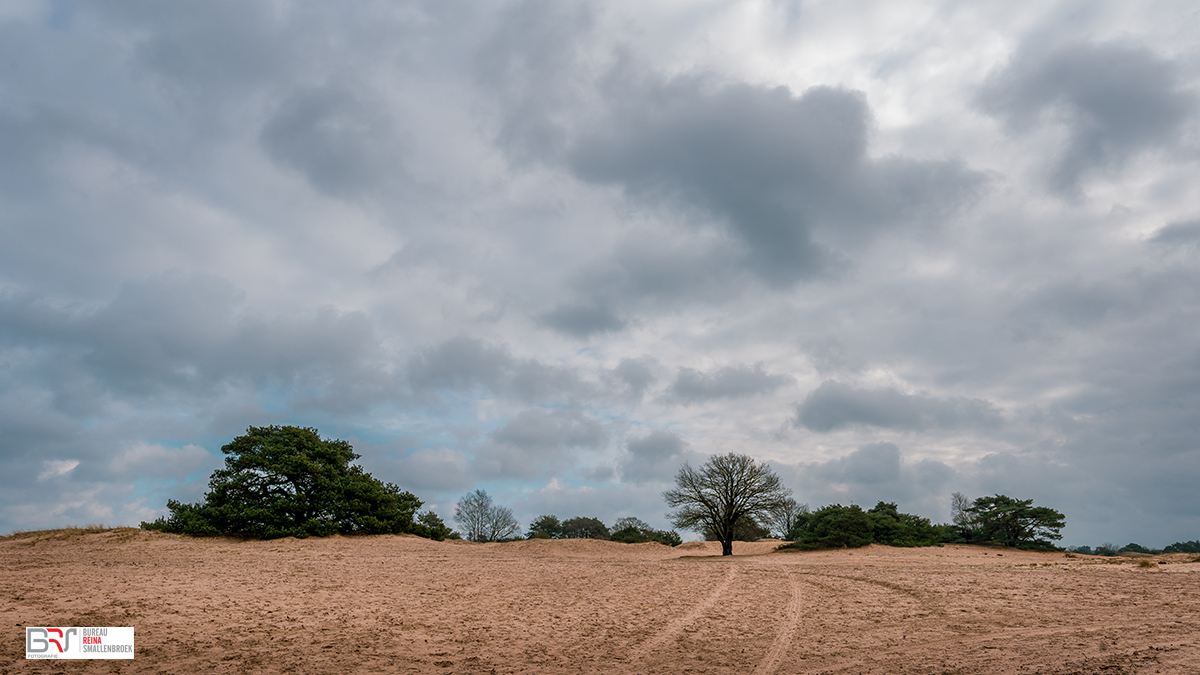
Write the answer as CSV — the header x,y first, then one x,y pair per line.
x,y
960,513
781,521
725,491
483,521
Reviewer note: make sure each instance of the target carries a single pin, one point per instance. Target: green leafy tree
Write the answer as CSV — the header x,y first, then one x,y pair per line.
x,y
281,481
545,527
722,494
1016,522
582,527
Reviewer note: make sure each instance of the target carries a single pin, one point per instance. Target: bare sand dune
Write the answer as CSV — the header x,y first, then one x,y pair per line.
x,y
408,605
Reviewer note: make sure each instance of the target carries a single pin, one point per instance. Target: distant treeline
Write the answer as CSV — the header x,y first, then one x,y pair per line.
x,y
628,530
996,519
1111,549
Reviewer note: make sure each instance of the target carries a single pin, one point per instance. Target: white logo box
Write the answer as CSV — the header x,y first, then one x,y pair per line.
x,y
76,642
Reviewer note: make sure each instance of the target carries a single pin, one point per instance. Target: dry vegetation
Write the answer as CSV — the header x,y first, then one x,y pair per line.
x,y
393,604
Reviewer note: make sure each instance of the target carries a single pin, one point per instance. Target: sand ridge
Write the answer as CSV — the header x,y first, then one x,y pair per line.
x,y
403,604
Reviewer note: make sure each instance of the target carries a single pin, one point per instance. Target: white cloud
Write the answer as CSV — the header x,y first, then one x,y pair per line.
x,y
57,467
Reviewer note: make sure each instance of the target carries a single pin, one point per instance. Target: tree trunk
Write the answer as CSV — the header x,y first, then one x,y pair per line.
x,y
727,547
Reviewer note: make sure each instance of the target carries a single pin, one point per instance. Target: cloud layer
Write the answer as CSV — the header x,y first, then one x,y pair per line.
x,y
557,250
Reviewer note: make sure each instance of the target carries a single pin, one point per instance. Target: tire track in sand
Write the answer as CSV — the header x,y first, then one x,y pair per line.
x,y
676,626
787,628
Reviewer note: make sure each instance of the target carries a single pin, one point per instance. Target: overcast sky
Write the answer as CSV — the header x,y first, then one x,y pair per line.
x,y
555,249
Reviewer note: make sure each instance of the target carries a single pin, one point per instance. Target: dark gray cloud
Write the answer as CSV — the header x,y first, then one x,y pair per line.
x,y
663,273
334,139
1183,234
835,405
185,334
583,321
530,65
460,363
1115,100
636,375
735,381
787,174
466,363
654,457
536,443
876,472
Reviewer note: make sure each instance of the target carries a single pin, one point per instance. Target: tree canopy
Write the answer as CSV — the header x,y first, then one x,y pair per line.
x,y
723,494
281,481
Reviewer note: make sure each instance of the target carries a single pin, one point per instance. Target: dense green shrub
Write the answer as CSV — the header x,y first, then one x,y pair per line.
x,y
902,529
833,526
288,481
837,526
634,531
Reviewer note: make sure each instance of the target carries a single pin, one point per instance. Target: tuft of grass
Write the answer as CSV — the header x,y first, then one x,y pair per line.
x,y
1146,563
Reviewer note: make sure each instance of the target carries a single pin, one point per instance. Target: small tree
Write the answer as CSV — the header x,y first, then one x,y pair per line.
x,y
288,481
961,515
482,520
581,527
725,492
1016,522
545,527
435,527
782,520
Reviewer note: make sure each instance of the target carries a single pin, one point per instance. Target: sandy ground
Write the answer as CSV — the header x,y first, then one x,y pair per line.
x,y
402,604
